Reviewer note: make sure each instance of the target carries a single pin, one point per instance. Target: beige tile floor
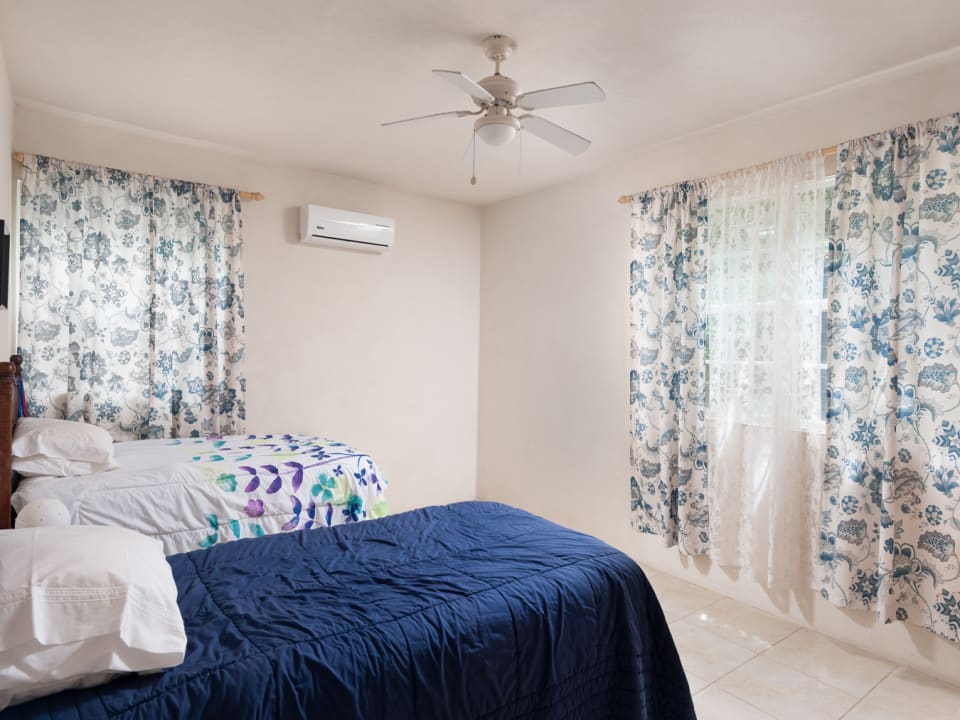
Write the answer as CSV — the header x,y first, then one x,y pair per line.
x,y
743,664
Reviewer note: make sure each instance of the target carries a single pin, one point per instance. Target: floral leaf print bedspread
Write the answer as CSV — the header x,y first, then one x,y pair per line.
x,y
195,493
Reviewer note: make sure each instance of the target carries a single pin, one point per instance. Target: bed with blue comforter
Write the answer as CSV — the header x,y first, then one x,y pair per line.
x,y
473,610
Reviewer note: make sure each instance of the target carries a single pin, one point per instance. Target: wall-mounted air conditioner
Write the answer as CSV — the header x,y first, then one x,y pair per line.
x,y
345,229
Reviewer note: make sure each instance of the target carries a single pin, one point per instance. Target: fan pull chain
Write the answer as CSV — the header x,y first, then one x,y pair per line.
x,y
520,153
473,177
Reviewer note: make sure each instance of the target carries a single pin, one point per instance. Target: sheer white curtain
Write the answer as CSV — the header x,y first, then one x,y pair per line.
x,y
765,295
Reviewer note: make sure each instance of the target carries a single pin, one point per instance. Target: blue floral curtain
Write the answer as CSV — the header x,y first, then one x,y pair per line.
x,y
668,395
891,501
131,307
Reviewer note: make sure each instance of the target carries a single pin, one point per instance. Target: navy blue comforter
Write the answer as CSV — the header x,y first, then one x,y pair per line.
x,y
475,610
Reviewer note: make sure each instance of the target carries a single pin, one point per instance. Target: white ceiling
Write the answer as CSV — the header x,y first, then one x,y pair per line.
x,y
307,82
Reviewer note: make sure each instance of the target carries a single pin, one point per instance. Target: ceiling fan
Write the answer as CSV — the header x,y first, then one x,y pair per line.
x,y
498,96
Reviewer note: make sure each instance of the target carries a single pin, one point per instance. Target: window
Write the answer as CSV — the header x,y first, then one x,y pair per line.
x,y
767,304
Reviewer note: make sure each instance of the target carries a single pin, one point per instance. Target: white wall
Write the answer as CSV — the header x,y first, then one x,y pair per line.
x,y
554,337
6,184
379,351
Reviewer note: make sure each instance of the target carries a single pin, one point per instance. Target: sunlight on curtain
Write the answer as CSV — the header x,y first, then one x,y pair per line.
x,y
668,374
891,502
131,310
765,296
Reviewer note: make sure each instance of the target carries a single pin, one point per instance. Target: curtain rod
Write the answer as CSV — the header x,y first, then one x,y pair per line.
x,y
244,195
831,150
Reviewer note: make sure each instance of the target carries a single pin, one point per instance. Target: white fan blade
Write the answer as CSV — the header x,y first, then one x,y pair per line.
x,y
578,94
466,84
451,113
554,134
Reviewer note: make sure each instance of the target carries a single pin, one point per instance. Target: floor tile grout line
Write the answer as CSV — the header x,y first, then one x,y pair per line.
x,y
784,638
798,628
678,618
824,682
747,702
705,687
700,609
788,635
754,653
733,669
718,636
875,686
718,679
758,653
954,686
744,701
713,632
741,604
732,692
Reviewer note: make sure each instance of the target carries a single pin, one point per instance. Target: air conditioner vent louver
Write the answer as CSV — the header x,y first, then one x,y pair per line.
x,y
345,229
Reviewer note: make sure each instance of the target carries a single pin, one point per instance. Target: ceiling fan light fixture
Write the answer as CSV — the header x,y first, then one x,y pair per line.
x,y
497,96
497,130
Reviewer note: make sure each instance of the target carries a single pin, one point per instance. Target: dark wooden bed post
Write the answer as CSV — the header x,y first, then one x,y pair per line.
x,y
9,412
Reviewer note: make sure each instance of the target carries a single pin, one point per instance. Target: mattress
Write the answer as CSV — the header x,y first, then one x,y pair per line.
x,y
195,493
469,611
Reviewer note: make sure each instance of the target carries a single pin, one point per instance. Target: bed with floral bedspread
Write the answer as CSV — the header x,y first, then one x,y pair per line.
x,y
195,493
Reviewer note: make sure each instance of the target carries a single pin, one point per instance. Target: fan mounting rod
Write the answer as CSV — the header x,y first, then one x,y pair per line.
x,y
498,48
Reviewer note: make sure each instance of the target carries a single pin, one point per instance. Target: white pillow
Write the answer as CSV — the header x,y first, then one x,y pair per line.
x,y
43,466
62,440
80,603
